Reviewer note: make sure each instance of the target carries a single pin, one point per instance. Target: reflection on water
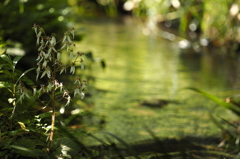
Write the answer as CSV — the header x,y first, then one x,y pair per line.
x,y
143,67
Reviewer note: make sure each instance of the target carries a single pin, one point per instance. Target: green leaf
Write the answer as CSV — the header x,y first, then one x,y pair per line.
x,y
2,65
25,73
217,100
15,61
22,125
7,73
6,58
5,85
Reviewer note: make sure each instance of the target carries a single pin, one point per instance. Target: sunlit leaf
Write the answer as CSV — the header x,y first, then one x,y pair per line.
x,y
22,125
5,85
6,58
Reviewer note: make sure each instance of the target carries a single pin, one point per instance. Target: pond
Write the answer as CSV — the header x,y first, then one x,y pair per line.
x,y
147,67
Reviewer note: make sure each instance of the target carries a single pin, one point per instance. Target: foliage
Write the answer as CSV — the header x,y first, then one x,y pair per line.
x,y
17,15
218,25
29,112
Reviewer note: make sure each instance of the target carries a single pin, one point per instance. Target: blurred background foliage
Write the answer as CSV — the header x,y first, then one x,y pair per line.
x,y
18,17
218,23
192,19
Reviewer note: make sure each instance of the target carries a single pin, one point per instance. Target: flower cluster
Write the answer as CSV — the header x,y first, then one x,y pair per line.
x,y
49,62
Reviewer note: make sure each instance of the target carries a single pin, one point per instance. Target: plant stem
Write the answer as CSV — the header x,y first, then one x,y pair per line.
x,y
53,106
53,121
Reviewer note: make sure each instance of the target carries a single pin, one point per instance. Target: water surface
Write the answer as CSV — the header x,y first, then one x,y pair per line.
x,y
141,67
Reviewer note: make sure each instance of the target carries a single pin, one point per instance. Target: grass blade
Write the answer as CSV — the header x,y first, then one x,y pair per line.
x,y
217,100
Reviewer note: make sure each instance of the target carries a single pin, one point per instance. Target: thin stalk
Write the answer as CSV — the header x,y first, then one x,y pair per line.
x,y
53,106
14,102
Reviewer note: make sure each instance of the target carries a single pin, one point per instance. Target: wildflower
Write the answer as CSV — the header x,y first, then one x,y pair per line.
x,y
69,39
71,55
35,27
38,36
42,89
45,63
82,95
58,55
77,91
34,90
71,30
65,37
46,72
77,81
63,69
82,64
53,41
72,70
68,97
64,45
61,86
68,101
38,72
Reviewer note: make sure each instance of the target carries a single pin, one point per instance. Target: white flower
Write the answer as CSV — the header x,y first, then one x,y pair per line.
x,y
58,56
71,55
69,39
77,81
77,91
63,69
68,100
82,95
72,70
53,40
38,72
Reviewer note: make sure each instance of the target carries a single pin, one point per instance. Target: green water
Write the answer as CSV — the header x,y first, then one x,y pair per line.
x,y
143,67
